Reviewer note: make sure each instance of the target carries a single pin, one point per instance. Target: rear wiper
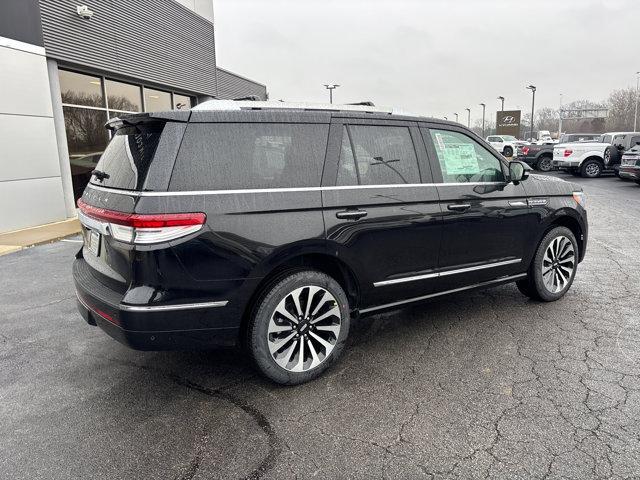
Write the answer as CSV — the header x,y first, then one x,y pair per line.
x,y
100,175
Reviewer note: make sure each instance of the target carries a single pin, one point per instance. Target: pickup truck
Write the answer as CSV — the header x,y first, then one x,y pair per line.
x,y
591,159
505,144
540,156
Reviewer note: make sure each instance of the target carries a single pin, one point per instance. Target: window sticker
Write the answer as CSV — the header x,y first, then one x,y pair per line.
x,y
440,141
460,159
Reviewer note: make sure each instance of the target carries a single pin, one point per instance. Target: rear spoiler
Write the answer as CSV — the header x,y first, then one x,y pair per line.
x,y
131,119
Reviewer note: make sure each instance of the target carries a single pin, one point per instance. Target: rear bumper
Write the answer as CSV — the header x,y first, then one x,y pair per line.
x,y
566,163
153,328
629,172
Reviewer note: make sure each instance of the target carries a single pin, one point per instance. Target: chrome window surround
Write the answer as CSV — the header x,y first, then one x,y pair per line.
x,y
445,273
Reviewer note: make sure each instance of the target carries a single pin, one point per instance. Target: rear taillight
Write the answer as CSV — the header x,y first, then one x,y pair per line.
x,y
525,150
567,152
144,228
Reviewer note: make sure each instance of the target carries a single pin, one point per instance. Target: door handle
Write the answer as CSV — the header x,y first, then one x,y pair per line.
x,y
459,207
351,214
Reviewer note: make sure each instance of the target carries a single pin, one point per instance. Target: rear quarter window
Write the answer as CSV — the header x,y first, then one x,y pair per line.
x,y
228,156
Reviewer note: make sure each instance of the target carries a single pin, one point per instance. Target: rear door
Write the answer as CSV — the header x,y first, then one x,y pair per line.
x,y
379,216
486,221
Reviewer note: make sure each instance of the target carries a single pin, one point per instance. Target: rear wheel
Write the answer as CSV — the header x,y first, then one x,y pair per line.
x,y
553,267
298,327
507,152
591,169
545,164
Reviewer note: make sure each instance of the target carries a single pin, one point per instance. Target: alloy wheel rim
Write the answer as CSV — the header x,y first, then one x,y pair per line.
x,y
304,328
558,264
545,164
593,169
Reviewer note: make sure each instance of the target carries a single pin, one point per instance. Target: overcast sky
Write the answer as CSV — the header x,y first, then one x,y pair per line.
x,y
432,57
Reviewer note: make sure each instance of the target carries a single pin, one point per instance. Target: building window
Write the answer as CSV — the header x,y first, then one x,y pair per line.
x,y
86,111
156,100
123,96
86,140
181,102
81,89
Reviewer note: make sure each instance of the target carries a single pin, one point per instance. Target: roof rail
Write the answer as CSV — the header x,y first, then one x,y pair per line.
x,y
218,105
254,98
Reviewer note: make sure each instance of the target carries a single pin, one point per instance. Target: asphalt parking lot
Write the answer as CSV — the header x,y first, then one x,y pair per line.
x,y
481,385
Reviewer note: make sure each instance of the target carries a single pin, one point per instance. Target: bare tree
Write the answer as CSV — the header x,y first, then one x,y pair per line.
x,y
621,105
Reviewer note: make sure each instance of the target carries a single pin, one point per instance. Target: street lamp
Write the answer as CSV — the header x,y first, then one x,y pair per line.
x,y
468,117
533,104
331,87
635,117
560,118
483,108
456,117
501,98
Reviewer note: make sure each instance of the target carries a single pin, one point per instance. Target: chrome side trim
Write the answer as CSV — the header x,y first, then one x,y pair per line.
x,y
281,190
432,295
445,273
182,306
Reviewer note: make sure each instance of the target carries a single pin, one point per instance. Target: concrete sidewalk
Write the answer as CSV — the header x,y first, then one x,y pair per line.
x,y
28,237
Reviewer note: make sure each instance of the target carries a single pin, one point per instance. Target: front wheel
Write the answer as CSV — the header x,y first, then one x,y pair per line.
x,y
507,152
553,267
545,164
298,327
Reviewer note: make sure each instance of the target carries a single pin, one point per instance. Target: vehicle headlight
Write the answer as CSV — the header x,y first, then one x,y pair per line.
x,y
580,198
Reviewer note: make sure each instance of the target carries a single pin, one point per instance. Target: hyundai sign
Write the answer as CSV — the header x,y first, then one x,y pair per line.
x,y
508,123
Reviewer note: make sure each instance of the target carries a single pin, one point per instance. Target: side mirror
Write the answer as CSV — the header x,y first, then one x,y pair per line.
x,y
518,171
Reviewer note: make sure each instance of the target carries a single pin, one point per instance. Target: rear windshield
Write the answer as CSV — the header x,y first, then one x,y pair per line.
x,y
227,156
125,162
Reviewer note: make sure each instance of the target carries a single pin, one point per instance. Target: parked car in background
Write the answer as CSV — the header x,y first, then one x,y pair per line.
x,y
507,145
591,159
271,225
540,156
630,165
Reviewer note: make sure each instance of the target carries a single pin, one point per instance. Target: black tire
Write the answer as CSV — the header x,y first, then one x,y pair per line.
x,y
591,169
507,152
258,337
637,181
534,285
545,164
575,172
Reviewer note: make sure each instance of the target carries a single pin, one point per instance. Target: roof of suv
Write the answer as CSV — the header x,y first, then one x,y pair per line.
x,y
367,108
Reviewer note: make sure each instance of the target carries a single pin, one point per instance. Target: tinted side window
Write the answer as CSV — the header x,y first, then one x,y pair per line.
x,y
219,156
383,156
634,141
462,159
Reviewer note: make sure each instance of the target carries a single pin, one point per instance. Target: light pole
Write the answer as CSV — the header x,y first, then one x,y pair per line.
x,y
483,109
331,87
468,117
560,118
501,98
635,116
456,117
533,104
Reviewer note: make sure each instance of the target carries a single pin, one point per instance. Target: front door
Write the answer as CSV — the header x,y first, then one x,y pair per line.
x,y
378,215
486,220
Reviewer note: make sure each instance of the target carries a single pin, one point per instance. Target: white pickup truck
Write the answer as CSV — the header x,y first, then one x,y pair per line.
x,y
507,145
590,159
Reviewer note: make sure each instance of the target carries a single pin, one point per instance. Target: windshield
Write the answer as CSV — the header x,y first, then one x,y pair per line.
x,y
126,160
509,138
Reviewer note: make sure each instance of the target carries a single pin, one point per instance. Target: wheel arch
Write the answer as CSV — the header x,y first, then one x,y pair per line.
x,y
319,260
564,219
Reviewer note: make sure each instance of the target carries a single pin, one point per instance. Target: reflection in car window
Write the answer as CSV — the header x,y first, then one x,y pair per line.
x,y
462,159
383,156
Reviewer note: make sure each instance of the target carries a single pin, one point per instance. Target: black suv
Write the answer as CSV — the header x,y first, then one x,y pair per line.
x,y
271,226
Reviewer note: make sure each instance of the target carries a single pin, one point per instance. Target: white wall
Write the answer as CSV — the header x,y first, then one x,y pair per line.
x,y
30,183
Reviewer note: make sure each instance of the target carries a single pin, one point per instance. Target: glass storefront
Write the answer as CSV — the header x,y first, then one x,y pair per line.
x,y
88,101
